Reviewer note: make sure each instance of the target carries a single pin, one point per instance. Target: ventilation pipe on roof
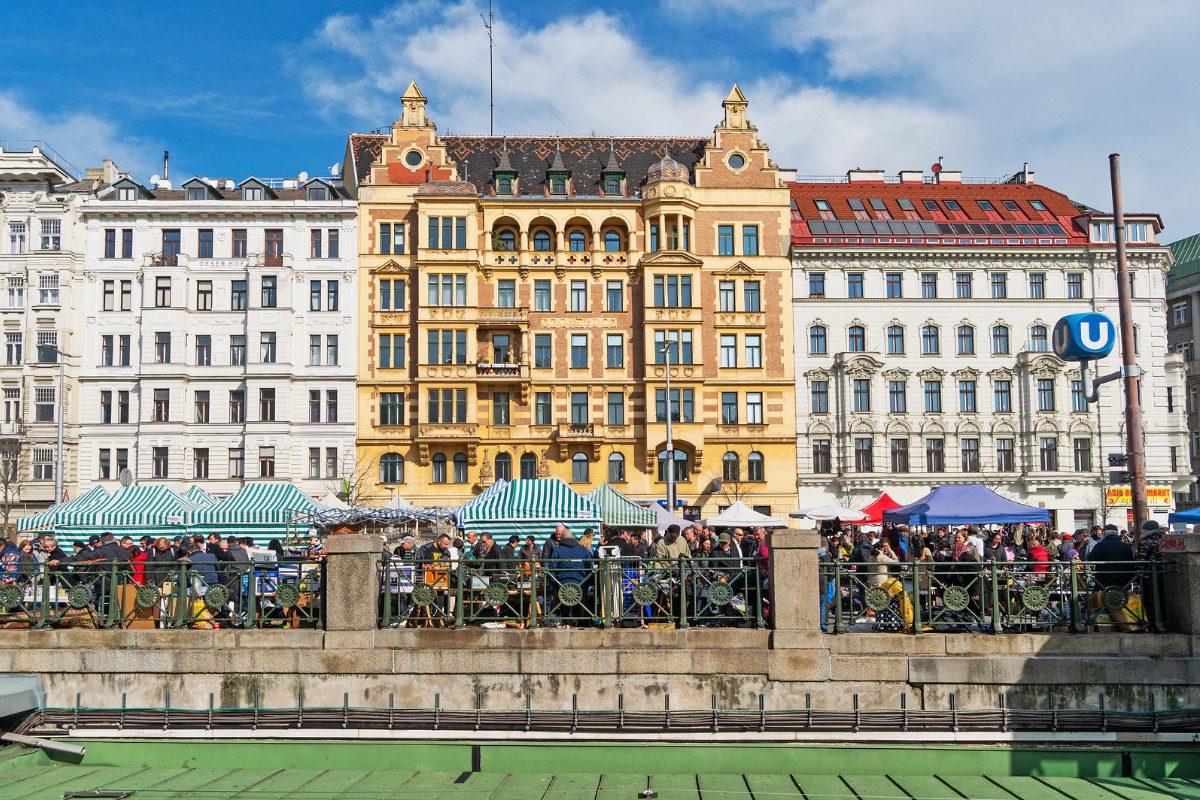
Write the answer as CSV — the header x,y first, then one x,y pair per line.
x,y
166,176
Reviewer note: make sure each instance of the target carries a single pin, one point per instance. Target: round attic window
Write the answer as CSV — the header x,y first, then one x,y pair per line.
x,y
736,161
414,158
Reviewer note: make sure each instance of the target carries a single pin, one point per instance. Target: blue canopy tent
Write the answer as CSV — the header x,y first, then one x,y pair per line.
x,y
970,504
1189,517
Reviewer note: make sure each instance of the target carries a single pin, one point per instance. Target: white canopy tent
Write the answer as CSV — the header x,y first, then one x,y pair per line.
x,y
828,512
740,515
333,501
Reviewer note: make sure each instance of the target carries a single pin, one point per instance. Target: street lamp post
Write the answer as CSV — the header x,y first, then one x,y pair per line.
x,y
669,452
60,413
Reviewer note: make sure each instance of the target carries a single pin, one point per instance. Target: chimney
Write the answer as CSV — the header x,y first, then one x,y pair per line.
x,y
166,176
109,171
912,176
949,176
860,175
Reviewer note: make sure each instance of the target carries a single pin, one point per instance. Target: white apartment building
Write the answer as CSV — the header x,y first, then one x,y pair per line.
x,y
40,282
219,326
924,308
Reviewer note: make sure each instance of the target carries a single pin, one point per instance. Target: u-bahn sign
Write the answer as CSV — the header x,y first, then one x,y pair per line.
x,y
1084,337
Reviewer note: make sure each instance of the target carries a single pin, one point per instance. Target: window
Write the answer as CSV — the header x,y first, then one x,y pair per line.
x,y
1045,394
1037,285
105,472
682,405
123,407
856,340
16,237
237,405
749,240
1083,455
503,467
16,292
935,455
753,350
969,452
110,243
266,405
14,349
817,344
47,344
579,468
933,397
447,290
331,350
314,462
820,397
237,296
680,465
728,345
821,456
579,296
162,405
576,241
579,408
1039,339
238,243
541,241
677,342
962,285
392,293
1135,232
1005,455
864,459
448,406
506,293
854,284
731,469
614,296
204,243
237,350
541,295
894,284
1000,340
899,453
754,408
966,397
331,405
616,468
445,346
314,405
237,463
724,240
579,354
266,347
1048,450
391,238
615,351
541,351
170,247
613,242
314,295
816,284
726,296
162,348
966,340
862,395
672,291
930,341
895,340
752,295
999,285
1079,401
197,193
334,247
204,296
160,462
105,407
898,397
202,407
506,241
928,285
48,289
391,409
1002,396
501,409
458,466
1074,285
273,240
729,408
270,292
616,408
200,462
203,351
543,409
162,292
266,462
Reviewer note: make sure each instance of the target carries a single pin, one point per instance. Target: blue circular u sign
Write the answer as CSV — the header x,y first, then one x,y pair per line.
x,y
1084,337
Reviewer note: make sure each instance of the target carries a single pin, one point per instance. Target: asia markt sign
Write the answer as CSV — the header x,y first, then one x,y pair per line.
x,y
1123,496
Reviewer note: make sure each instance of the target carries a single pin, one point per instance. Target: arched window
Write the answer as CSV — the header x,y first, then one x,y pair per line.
x,y
503,466
681,466
612,242
558,186
857,339
439,468
576,241
731,468
506,240
966,340
1000,340
930,342
1039,340
755,467
895,340
460,467
579,468
541,240
528,466
391,468
616,468
817,344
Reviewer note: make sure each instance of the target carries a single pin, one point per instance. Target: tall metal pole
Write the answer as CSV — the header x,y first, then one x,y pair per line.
x,y
488,23
58,465
1130,371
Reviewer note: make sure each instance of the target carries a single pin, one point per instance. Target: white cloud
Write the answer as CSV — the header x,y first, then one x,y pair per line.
x,y
988,86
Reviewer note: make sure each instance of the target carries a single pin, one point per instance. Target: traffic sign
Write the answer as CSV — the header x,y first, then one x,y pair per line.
x,y
1084,337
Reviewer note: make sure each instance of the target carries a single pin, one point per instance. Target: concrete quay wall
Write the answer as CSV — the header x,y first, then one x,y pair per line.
x,y
598,669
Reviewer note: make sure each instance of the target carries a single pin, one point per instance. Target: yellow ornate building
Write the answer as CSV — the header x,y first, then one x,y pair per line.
x,y
522,299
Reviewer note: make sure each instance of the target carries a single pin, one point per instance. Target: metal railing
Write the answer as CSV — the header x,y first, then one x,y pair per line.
x,y
165,594
993,597
600,592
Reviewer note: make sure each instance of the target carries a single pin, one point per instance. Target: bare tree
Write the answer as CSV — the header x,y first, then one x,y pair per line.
x,y
358,484
12,470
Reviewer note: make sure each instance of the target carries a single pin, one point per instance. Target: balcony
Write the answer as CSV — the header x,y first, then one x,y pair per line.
x,y
740,319
448,431
493,315
502,372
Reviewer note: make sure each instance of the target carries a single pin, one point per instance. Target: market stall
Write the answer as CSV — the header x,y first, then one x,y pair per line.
x,y
534,506
261,511
144,510
47,520
740,515
618,511
874,512
968,504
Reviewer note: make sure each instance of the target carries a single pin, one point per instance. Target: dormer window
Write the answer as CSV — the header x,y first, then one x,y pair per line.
x,y
252,193
612,185
126,193
317,193
558,185
196,193
504,185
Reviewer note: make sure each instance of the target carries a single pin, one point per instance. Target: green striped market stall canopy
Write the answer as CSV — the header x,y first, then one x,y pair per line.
x,y
498,486
46,520
200,498
261,511
618,511
532,507
146,510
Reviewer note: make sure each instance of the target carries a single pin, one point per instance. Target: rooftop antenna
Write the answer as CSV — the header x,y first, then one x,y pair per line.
x,y
489,23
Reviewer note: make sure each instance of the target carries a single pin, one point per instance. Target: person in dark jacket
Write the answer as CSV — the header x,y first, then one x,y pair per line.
x,y
572,566
1106,553
161,565
552,543
203,564
236,570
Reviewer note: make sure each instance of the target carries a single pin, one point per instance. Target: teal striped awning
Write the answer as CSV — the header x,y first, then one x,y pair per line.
x,y
271,504
534,507
618,511
498,486
148,508
200,498
48,519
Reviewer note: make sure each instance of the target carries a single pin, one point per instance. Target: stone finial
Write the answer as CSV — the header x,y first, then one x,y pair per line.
x,y
735,108
414,107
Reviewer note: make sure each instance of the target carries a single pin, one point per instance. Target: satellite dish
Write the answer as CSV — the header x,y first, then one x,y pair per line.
x,y
125,477
936,168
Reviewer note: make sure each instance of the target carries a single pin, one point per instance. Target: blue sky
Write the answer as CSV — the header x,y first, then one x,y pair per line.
x,y
266,88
